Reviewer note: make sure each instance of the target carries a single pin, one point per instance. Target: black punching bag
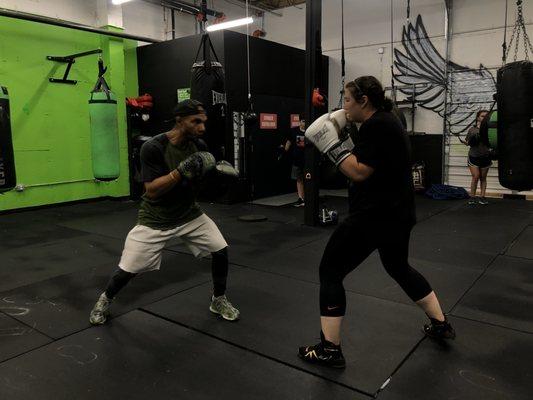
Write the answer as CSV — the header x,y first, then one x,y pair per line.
x,y
515,125
8,178
208,87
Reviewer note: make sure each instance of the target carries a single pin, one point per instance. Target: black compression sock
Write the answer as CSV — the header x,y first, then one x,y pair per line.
x,y
119,279
219,271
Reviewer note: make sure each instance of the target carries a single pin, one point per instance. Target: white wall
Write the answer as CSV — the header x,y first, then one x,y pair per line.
x,y
477,27
80,11
477,36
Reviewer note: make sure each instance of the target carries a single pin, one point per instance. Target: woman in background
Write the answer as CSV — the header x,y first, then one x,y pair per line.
x,y
479,160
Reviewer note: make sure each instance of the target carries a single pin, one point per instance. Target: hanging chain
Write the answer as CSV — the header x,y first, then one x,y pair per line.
x,y
519,24
343,60
516,44
341,99
511,41
527,42
519,28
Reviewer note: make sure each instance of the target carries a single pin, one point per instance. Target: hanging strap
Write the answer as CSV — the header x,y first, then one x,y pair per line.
x,y
343,60
393,87
101,84
504,44
206,52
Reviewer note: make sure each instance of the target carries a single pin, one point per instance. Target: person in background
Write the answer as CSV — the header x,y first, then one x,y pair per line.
x,y
295,143
479,160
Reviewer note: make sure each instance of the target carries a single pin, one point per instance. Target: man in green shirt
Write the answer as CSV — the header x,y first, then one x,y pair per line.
x,y
172,166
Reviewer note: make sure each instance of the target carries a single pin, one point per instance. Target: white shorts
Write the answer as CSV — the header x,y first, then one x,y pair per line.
x,y
144,246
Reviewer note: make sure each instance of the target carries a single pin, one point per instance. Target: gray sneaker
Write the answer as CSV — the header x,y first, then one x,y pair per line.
x,y
220,305
100,310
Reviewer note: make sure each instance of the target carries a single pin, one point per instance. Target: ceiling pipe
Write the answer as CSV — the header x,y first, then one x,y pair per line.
x,y
257,8
184,7
72,25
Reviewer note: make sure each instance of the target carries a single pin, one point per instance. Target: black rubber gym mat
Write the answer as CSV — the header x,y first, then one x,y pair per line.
x,y
21,231
17,338
449,282
484,362
143,357
523,246
26,228
283,214
370,278
280,314
257,239
507,207
426,207
503,296
441,251
95,207
112,224
61,306
481,230
42,260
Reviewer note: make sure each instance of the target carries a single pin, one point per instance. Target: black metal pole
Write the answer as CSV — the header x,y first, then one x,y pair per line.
x,y
172,13
313,58
72,25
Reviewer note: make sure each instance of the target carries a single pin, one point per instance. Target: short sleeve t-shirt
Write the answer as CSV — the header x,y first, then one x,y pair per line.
x,y
177,206
388,192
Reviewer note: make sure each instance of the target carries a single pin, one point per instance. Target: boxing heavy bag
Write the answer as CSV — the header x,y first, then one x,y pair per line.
x,y
515,125
8,177
492,130
208,87
488,133
104,130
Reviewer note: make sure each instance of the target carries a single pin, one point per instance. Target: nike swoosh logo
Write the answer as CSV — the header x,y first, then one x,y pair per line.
x,y
332,308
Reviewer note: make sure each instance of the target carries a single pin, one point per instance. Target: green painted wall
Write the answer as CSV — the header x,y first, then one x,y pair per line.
x,y
130,61
50,121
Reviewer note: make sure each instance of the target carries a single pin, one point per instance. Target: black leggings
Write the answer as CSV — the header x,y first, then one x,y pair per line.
x,y
350,244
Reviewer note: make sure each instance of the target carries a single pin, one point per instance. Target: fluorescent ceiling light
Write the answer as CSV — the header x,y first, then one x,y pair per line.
x,y
117,2
229,24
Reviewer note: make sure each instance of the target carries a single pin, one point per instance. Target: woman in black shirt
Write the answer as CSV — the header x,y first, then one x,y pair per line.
x,y
479,160
382,214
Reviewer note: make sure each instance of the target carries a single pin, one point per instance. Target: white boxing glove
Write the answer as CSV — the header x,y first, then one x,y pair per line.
x,y
224,168
326,134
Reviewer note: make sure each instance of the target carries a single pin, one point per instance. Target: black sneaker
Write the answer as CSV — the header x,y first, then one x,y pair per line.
x,y
323,353
299,203
483,201
439,330
473,200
